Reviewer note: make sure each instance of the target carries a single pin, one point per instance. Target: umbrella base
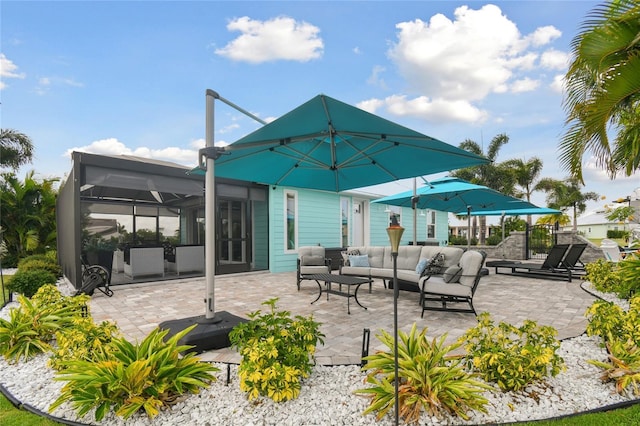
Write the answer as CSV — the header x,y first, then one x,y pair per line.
x,y
207,335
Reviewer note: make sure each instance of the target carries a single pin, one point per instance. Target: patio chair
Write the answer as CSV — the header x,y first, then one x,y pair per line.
x,y
311,260
458,284
572,258
552,267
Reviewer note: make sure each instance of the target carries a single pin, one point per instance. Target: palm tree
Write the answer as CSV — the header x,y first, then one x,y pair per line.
x,y
603,91
495,176
563,195
27,214
16,149
551,219
526,173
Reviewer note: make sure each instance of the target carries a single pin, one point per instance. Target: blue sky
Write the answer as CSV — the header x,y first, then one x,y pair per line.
x,y
130,77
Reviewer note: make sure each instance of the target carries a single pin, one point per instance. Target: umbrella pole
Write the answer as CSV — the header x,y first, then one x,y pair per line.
x,y
415,216
210,214
468,227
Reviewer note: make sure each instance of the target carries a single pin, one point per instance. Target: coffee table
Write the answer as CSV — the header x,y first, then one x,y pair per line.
x,y
346,280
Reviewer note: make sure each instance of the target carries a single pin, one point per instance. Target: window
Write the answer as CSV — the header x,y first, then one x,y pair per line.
x,y
291,220
344,221
431,224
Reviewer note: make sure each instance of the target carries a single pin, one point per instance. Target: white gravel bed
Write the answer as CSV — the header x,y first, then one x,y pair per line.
x,y
327,397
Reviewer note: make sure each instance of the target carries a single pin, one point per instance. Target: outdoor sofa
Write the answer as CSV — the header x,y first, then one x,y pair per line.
x,y
186,258
139,261
413,263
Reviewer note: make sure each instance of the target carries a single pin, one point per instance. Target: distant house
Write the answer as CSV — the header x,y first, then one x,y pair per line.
x,y
258,227
593,224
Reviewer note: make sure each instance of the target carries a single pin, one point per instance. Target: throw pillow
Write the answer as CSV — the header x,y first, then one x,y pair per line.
x,y
422,264
312,261
435,266
362,260
345,255
452,274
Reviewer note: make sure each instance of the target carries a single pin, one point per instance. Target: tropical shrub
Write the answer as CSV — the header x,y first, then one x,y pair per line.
x,y
31,326
85,341
493,240
277,351
603,275
455,240
629,272
621,334
145,376
512,357
41,261
28,281
430,378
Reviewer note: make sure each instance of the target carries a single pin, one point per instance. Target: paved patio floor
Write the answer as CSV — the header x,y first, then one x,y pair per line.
x,y
139,308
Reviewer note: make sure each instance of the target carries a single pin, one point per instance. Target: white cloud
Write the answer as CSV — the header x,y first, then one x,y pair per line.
x,y
375,78
524,85
544,35
435,110
8,70
459,62
554,59
357,50
558,83
280,38
46,83
371,105
112,146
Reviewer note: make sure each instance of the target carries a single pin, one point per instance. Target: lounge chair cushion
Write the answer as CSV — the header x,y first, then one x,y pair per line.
x,y
311,261
452,274
437,285
359,260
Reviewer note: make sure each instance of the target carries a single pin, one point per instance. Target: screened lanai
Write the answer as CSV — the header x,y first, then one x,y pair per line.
x,y
143,220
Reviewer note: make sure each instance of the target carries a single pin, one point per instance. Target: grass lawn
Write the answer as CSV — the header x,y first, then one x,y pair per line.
x,y
11,416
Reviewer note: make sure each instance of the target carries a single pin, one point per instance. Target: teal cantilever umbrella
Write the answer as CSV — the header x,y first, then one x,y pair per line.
x,y
329,145
450,194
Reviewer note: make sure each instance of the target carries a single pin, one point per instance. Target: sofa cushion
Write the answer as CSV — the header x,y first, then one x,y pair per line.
x,y
308,270
361,271
349,252
438,286
359,260
421,265
452,274
471,263
311,260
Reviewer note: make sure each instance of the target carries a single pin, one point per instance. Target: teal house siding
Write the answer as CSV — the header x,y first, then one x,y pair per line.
x,y
318,223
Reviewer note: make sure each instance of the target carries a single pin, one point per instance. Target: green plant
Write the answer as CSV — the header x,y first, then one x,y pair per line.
x,y
429,378
32,325
629,272
144,376
276,352
621,334
27,282
510,356
40,261
85,341
603,275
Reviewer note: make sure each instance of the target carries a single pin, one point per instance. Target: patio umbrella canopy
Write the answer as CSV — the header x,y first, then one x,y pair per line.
x,y
513,212
451,194
328,145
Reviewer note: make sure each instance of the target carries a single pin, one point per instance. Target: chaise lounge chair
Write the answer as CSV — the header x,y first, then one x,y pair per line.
x,y
552,267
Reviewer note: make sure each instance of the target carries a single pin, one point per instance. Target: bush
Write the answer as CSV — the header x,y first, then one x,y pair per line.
x,y
617,233
621,335
621,278
455,240
629,273
494,240
276,352
145,376
429,377
513,357
40,262
31,327
28,281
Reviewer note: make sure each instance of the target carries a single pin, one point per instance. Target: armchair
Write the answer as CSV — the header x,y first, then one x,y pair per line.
x,y
311,260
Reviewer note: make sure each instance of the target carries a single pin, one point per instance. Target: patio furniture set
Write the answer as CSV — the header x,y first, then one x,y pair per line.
x,y
138,261
448,276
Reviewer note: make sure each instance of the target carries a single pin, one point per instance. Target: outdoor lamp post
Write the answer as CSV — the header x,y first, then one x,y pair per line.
x,y
395,234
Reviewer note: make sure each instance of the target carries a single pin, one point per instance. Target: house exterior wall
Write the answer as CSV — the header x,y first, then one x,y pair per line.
x,y
319,223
